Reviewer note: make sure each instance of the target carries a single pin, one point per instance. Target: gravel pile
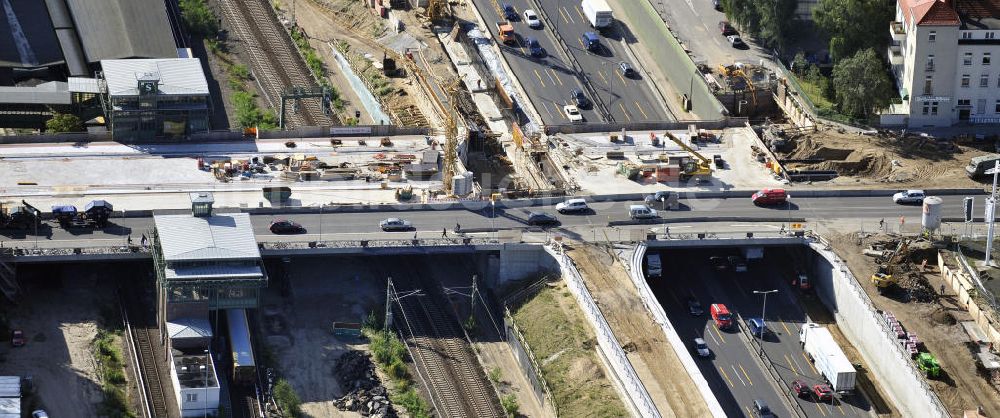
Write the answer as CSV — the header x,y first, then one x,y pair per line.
x,y
365,393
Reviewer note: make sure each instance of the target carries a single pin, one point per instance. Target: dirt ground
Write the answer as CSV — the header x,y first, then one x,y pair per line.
x,y
656,363
863,159
937,324
59,318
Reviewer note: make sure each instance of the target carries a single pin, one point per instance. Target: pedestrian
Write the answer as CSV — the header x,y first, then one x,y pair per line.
x,y
414,235
881,224
942,289
143,240
129,239
458,227
444,232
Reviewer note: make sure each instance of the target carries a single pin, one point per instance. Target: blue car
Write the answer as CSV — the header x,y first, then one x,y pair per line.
x,y
758,327
509,12
534,48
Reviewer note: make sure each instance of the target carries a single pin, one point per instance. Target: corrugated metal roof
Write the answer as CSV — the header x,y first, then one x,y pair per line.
x,y
39,46
83,85
217,237
178,76
189,328
52,92
213,272
112,29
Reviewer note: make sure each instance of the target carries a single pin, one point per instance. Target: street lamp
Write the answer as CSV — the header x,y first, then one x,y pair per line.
x,y
205,369
762,312
990,214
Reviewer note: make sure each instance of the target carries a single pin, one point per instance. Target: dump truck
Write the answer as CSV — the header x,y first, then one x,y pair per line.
x,y
505,31
928,365
20,217
598,13
827,356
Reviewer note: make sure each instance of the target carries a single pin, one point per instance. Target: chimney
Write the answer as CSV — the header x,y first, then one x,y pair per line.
x,y
201,204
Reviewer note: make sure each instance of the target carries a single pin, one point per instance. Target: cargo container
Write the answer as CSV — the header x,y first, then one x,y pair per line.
x,y
827,356
598,13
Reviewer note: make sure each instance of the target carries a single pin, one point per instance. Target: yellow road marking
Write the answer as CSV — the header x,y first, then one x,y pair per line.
x,y
563,14
624,111
601,73
749,412
539,78
644,115
747,375
556,76
809,363
718,333
791,364
558,110
580,41
713,338
580,12
726,376
621,77
737,373
841,410
785,326
820,408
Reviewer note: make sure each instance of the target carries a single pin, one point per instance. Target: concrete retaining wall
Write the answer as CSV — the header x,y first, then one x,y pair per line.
x,y
962,285
856,317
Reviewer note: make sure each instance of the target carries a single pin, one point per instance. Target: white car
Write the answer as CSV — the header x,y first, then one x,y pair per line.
x,y
573,113
532,19
572,205
39,413
395,224
909,196
702,348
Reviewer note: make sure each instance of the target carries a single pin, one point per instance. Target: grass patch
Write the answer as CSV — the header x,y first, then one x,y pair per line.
x,y
286,398
563,345
315,64
390,355
815,94
510,406
111,369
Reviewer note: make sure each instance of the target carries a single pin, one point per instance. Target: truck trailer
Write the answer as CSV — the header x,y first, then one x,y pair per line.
x,y
827,356
598,13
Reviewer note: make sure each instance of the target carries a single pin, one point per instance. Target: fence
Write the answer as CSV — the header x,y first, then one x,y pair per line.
x,y
522,351
608,346
967,292
806,103
361,89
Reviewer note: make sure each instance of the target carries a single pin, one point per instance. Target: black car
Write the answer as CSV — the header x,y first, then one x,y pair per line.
x,y
579,98
542,219
718,263
626,69
286,227
694,307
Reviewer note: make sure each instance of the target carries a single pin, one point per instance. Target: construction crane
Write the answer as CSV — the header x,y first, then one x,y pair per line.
x,y
699,170
451,134
883,278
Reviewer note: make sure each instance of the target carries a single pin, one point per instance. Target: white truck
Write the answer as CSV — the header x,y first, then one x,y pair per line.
x,y
653,266
598,13
827,356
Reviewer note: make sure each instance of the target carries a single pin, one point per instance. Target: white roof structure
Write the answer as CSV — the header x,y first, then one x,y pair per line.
x,y
177,76
189,328
218,237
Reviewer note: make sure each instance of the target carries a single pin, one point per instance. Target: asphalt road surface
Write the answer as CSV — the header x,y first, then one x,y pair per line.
x,y
430,223
548,79
735,376
696,24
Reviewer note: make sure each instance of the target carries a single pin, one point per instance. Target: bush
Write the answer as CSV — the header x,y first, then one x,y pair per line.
x,y
198,18
287,399
509,404
63,122
411,401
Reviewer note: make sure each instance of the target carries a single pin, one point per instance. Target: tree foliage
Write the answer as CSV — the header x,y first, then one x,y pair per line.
x,y
854,25
770,21
63,122
862,85
198,18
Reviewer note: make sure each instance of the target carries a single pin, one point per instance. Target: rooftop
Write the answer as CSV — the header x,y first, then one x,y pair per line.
x,y
194,369
111,29
970,14
218,237
189,328
177,76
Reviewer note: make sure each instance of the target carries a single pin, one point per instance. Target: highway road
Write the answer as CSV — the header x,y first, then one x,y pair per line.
x,y
695,23
429,223
735,375
548,80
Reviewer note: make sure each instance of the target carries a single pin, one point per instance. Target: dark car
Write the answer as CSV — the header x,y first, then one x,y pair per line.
x,y
285,226
801,389
758,328
591,41
823,393
534,48
626,69
738,264
542,219
736,42
717,4
17,338
579,98
509,12
718,263
726,29
761,410
694,307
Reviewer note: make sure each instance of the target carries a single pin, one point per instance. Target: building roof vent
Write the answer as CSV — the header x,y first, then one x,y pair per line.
x,y
201,204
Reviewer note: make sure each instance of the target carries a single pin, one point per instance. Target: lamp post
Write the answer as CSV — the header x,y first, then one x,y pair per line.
x,y
990,214
205,367
763,310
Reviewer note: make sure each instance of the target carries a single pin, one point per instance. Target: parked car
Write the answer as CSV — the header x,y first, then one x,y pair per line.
x,y
641,212
909,196
17,338
726,29
572,205
534,48
761,410
395,224
823,393
573,114
694,307
285,226
701,348
801,389
719,162
542,219
736,42
758,327
579,98
626,69
39,413
532,19
737,263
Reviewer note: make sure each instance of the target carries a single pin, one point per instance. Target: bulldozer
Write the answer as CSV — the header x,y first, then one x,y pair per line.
x,y
928,365
698,170
883,279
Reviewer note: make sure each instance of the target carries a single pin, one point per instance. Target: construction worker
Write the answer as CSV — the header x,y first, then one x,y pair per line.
x,y
444,232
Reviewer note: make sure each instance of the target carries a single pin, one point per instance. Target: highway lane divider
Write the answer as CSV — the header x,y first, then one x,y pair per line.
x,y
695,219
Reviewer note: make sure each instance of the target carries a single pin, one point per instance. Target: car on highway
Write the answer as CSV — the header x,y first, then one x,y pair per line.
x,y
761,410
579,98
641,212
823,393
908,196
591,41
17,338
736,42
395,224
573,113
532,19
694,307
534,48
572,205
766,197
801,389
721,316
508,11
718,263
39,413
542,219
701,348
737,263
285,226
758,328
666,199
727,29
626,69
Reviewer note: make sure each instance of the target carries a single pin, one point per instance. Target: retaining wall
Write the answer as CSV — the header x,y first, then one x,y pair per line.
x,y
963,286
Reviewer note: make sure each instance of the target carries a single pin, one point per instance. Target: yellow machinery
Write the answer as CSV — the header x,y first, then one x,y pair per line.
x,y
698,170
883,278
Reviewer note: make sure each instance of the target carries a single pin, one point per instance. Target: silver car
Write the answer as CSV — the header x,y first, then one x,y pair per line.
x,y
395,224
701,348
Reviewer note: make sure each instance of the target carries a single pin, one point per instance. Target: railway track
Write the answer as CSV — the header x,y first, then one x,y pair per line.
x,y
276,63
151,373
458,385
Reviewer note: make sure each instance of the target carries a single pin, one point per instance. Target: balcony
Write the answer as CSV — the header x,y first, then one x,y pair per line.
x,y
898,31
895,54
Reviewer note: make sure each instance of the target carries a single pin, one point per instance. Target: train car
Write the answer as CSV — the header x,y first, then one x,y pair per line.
x,y
244,367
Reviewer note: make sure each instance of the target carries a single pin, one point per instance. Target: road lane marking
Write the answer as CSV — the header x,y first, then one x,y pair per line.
x,y
539,78
621,77
747,375
718,333
820,408
563,14
557,110
809,363
624,111
580,12
580,41
713,339
749,412
791,364
551,76
841,410
784,326
556,76
605,79
726,376
737,373
644,115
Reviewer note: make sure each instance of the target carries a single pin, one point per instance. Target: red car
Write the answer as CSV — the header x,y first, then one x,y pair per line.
x,y
823,393
801,389
769,197
17,338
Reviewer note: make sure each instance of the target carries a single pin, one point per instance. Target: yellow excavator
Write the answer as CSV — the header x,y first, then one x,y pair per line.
x,y
883,278
698,170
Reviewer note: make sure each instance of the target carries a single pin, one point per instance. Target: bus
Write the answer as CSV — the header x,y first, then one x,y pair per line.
x,y
244,367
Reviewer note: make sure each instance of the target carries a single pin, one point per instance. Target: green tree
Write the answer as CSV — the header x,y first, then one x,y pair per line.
x,y
862,85
63,122
771,21
198,18
851,24
799,64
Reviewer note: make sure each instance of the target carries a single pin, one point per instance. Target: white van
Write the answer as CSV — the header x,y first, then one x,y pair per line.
x,y
653,266
641,212
572,205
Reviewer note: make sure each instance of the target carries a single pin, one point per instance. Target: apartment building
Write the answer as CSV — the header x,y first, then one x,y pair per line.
x,y
945,57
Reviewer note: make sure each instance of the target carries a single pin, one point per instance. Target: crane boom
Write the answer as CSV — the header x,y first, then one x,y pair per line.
x,y
687,148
